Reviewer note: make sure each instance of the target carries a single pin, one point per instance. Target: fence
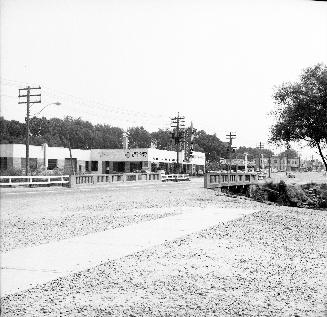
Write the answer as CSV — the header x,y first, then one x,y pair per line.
x,y
89,179
175,177
213,180
33,180
93,179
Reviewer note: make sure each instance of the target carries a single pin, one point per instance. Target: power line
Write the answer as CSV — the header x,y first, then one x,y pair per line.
x,y
79,100
122,116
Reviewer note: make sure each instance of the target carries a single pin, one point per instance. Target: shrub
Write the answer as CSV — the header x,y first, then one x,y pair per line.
x,y
257,193
12,172
43,171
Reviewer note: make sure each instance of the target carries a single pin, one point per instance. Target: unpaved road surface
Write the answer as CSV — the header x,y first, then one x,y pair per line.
x,y
270,263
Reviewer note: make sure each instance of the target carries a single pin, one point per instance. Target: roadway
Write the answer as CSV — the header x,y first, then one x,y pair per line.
x,y
58,192
30,216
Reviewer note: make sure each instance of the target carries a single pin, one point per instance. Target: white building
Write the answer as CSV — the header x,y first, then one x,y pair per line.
x,y
100,161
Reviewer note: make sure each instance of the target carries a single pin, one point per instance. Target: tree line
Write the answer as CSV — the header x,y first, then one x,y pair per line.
x,y
81,134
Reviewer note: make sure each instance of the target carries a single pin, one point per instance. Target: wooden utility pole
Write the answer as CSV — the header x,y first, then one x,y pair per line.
x,y
25,93
230,137
287,150
71,159
178,124
260,147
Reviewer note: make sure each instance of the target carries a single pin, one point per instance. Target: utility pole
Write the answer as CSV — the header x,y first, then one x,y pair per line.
x,y
178,124
29,99
230,137
287,150
260,147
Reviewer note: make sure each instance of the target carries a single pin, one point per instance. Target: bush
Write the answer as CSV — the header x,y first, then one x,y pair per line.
x,y
281,193
317,194
257,193
43,171
11,172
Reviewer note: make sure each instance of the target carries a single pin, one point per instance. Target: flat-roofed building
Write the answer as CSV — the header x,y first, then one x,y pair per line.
x,y
99,161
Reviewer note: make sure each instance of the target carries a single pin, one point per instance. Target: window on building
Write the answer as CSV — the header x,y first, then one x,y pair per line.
x,y
87,166
94,166
3,163
119,167
52,164
136,166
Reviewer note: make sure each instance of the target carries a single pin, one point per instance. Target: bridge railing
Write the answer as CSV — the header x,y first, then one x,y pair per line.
x,y
33,180
175,177
225,179
93,179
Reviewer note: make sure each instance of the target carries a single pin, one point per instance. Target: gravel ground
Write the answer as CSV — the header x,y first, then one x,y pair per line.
x,y
270,263
33,221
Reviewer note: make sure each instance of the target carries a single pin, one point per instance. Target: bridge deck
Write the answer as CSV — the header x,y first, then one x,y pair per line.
x,y
224,179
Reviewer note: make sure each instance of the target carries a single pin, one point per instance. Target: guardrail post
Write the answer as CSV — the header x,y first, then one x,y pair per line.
x,y
206,180
72,181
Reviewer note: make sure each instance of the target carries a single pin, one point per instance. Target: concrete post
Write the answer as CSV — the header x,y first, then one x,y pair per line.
x,y
45,155
72,181
206,180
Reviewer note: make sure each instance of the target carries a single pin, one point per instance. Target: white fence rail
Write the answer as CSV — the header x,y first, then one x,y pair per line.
x,y
90,179
33,180
93,179
175,177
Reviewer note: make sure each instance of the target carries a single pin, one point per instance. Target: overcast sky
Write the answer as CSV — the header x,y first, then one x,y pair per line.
x,y
129,63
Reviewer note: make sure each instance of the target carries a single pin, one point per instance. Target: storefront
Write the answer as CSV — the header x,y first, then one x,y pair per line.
x,y
98,161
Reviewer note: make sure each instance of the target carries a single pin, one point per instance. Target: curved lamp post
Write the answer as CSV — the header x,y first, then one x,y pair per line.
x,y
52,103
28,135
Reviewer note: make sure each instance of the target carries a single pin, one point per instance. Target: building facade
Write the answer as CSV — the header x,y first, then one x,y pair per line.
x,y
99,161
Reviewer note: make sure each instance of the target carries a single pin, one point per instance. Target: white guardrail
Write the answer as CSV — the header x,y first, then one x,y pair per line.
x,y
175,177
33,180
73,180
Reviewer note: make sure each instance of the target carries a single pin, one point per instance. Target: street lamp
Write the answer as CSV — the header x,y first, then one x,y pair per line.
x,y
53,103
28,133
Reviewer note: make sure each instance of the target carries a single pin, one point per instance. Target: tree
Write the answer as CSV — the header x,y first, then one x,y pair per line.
x,y
138,137
107,137
289,153
213,147
301,111
253,153
162,138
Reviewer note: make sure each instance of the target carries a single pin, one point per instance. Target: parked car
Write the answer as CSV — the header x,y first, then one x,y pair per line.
x,y
200,173
291,175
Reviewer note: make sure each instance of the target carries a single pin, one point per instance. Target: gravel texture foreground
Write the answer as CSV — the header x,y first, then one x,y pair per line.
x,y
34,219
270,263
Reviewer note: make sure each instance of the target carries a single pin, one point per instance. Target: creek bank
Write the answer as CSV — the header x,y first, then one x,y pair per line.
x,y
309,195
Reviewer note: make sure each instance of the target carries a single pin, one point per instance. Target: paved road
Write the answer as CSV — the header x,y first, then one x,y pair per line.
x,y
27,267
40,192
31,216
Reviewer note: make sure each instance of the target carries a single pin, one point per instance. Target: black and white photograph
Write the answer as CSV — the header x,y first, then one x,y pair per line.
x,y
163,158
